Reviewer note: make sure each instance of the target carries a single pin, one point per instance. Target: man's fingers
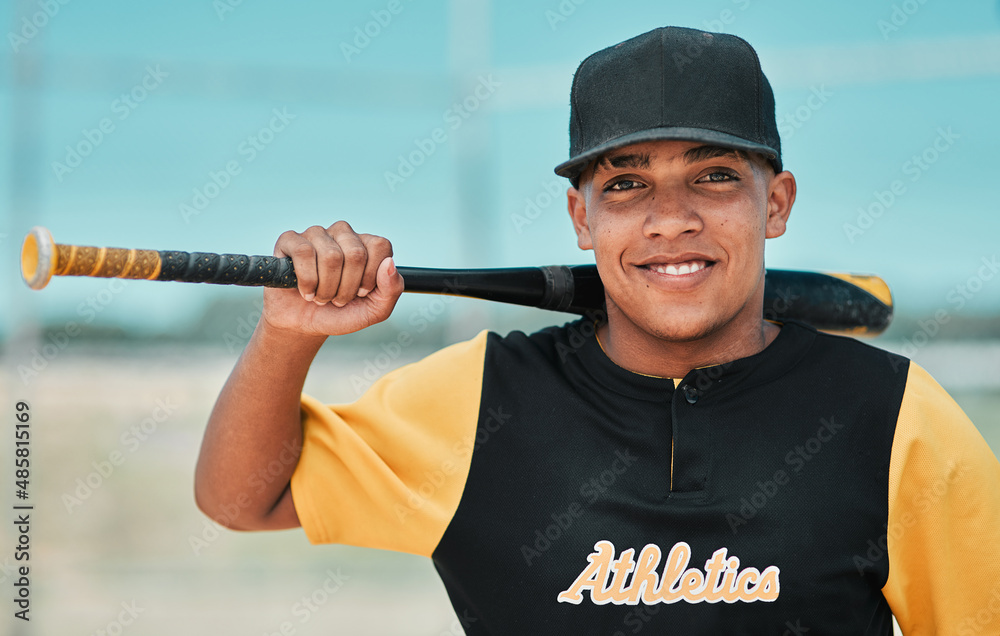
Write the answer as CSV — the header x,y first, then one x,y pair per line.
x,y
354,257
329,256
303,255
379,249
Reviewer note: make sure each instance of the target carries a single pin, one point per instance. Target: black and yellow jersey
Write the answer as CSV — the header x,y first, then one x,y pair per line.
x,y
817,487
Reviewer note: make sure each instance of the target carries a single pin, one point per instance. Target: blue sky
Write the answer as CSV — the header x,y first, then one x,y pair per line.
x,y
863,87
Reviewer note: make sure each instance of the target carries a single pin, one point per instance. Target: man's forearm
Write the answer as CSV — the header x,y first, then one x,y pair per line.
x,y
255,422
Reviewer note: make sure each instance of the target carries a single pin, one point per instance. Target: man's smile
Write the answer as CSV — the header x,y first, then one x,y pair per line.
x,y
678,275
686,269
678,269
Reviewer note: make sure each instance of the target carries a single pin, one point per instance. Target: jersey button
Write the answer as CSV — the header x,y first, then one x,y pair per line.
x,y
690,394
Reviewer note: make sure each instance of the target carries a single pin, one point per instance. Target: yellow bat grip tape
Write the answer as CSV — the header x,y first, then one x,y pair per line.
x,y
106,262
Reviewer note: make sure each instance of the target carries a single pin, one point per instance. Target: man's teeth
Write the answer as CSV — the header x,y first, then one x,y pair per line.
x,y
679,270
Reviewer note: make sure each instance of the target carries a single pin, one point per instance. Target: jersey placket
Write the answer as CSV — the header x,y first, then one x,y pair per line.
x,y
690,450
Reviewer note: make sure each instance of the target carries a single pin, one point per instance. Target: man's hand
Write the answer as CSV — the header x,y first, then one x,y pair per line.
x,y
347,281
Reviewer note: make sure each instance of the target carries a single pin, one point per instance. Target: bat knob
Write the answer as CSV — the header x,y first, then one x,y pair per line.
x,y
38,255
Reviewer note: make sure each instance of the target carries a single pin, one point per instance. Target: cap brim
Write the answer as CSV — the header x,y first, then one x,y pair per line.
x,y
572,168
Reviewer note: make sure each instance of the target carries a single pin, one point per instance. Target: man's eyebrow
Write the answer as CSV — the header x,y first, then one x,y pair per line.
x,y
631,160
701,153
643,160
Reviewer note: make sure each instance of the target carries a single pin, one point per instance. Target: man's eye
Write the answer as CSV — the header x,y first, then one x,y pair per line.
x,y
720,176
623,184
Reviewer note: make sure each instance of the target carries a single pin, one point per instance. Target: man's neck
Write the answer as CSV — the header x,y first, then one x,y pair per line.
x,y
640,352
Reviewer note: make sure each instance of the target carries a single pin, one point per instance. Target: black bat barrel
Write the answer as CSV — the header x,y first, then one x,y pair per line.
x,y
573,289
821,300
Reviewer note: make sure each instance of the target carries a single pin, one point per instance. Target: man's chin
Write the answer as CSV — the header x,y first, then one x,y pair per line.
x,y
682,330
679,325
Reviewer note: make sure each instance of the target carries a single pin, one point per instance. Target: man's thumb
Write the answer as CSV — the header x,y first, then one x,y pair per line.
x,y
388,281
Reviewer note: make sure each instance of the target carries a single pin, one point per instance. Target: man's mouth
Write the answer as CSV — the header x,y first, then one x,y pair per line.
x,y
679,269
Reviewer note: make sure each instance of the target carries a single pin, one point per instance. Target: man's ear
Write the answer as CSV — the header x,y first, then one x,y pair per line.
x,y
780,197
577,204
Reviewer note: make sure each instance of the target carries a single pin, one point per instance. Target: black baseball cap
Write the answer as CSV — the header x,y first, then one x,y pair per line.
x,y
671,83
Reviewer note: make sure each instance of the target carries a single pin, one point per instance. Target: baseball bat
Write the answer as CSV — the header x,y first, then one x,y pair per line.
x,y
845,303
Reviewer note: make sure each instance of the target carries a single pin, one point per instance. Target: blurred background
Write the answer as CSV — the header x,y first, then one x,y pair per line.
x,y
216,125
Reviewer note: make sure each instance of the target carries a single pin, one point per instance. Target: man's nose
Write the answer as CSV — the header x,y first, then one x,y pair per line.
x,y
671,217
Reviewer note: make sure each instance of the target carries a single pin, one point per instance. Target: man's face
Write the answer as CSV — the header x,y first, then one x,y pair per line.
x,y
678,231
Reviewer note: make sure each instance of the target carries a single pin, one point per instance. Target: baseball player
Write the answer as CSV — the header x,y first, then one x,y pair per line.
x,y
675,463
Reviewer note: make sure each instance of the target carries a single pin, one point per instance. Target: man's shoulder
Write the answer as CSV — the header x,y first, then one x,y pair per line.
x,y
547,341
846,351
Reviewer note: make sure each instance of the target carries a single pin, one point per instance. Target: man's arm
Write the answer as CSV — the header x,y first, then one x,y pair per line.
x,y
347,282
944,511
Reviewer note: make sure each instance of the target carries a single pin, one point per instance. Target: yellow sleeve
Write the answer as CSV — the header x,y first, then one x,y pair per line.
x,y
944,518
388,470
